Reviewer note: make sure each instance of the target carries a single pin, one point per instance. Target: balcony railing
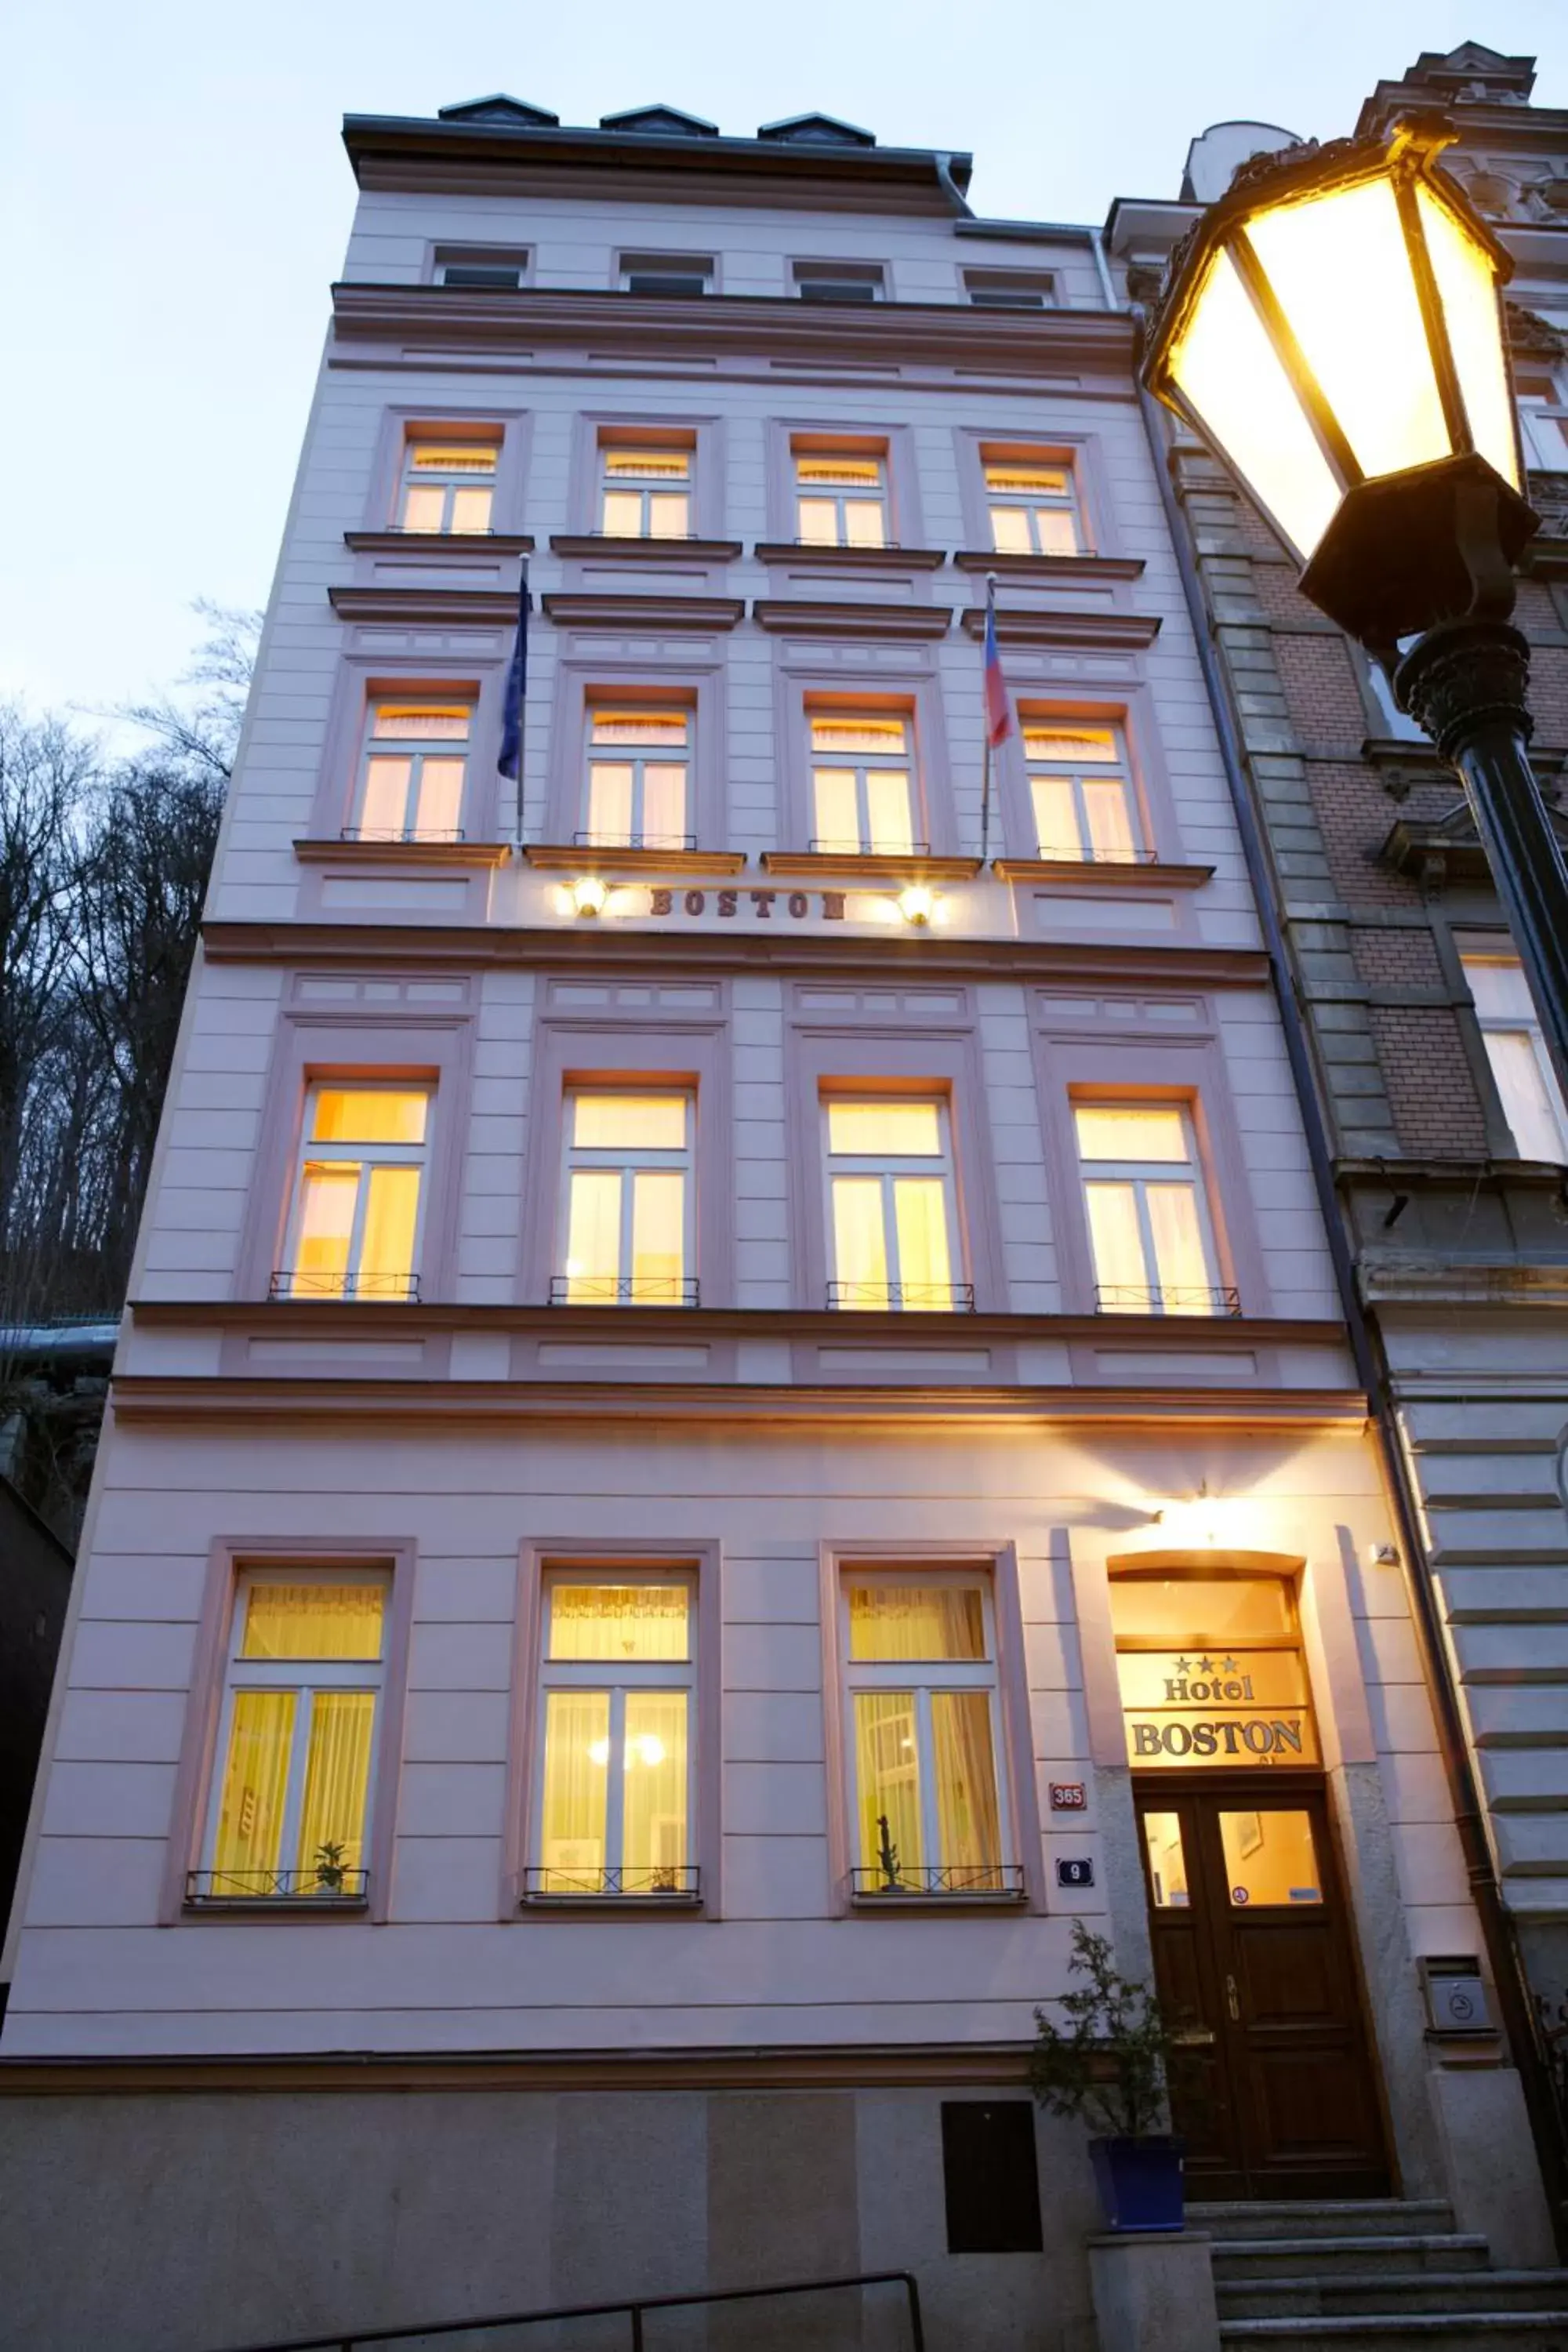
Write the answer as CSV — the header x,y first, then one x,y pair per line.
x,y
938,1297
1076,853
621,1290
673,841
1146,1298
673,1882
326,1882
288,1281
401,832
1002,1880
821,848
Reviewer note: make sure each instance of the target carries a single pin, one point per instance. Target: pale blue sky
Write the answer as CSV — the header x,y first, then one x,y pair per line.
x,y
175,202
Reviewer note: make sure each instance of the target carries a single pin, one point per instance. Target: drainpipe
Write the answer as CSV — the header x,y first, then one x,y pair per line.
x,y
951,188
1497,1925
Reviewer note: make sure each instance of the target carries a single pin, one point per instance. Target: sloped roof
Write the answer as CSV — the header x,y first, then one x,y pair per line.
x,y
819,129
656,120
500,107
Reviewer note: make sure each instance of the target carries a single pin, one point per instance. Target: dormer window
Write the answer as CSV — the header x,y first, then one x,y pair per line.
x,y
840,281
672,275
484,268
1010,289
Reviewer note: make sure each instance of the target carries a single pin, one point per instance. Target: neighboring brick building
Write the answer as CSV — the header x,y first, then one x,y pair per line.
x,y
1448,1136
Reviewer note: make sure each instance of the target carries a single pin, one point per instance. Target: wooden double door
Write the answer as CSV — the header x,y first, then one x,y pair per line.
x,y
1273,2085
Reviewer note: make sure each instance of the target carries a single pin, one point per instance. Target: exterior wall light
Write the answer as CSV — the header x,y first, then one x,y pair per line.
x,y
917,904
1333,326
589,895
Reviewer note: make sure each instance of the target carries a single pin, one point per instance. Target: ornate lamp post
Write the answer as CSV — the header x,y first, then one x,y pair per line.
x,y
1333,327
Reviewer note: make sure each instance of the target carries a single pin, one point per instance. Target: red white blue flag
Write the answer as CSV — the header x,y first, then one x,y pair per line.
x,y
998,708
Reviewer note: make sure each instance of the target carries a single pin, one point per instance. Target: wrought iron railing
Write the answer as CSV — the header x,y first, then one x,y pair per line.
x,y
406,531
941,1298
1076,853
449,2330
591,840
403,833
670,1882
623,1290
290,1281
323,1883
945,1878
822,848
1154,1299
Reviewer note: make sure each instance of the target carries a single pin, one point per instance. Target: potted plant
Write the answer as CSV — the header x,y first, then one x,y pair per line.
x,y
331,1870
1108,2066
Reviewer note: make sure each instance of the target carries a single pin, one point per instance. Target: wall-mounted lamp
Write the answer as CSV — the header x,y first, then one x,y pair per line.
x,y
589,895
917,904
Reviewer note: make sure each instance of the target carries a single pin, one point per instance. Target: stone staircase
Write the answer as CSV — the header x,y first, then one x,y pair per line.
x,y
1389,2277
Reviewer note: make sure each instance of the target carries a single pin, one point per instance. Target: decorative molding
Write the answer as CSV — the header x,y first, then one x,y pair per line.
x,y
1102,873
1050,570
850,559
435,546
584,546
1110,632
565,857
804,617
427,608
330,852
649,614
802,865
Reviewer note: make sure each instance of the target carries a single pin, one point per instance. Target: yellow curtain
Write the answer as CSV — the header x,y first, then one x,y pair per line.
x,y
619,1620
314,1621
654,1827
246,1851
1179,1253
888,803
576,1760
391,1217
337,1786
887,1776
968,1820
329,1190
659,1233
899,1622
919,1206
859,1240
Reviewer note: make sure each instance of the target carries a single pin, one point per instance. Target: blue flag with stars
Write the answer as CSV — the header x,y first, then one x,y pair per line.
x,y
511,760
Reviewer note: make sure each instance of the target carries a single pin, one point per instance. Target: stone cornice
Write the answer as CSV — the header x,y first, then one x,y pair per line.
x,y
331,851
439,546
570,858
597,545
1050,570
868,866
1113,632
608,947
427,608
893,560
1103,873
800,617
1022,342
608,611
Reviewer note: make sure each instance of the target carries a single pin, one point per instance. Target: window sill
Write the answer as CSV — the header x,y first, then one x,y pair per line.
x,y
867,865
1103,873
583,1907
566,857
850,559
1085,567
312,852
461,542
269,1907
583,546
1006,1899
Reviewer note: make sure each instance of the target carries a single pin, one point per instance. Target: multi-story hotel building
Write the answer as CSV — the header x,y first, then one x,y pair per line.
x,y
735,1407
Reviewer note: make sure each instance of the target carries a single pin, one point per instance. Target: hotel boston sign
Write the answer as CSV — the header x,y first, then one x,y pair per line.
x,y
1231,1706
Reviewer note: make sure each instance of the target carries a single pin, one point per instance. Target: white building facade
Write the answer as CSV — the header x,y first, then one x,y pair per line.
x,y
734,1409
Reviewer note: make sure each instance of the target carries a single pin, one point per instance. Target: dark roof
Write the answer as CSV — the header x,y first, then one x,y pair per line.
x,y
822,130
500,107
665,121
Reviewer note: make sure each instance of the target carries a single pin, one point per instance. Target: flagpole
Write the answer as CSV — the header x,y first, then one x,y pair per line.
x,y
522,607
986,784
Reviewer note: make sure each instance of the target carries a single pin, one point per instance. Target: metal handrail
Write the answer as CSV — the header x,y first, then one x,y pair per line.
x,y
340,2342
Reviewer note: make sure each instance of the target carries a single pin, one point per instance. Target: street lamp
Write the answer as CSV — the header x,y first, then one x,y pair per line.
x,y
1334,327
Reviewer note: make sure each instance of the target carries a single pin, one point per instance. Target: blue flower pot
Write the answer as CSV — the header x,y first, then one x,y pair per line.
x,y
1140,2181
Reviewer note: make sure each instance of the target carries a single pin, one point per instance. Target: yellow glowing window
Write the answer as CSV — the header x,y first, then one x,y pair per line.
x,y
639,766
629,1201
643,492
841,500
289,1807
890,1203
415,766
1033,507
614,1808
1270,1858
355,1226
921,1620
447,485
1081,791
862,784
1212,1672
1147,1211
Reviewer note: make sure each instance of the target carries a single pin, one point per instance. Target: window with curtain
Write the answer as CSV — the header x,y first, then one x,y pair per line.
x,y
629,1233
840,497
355,1228
862,784
1148,1213
892,1214
448,484
645,491
412,772
1033,505
1521,1070
614,1805
288,1816
922,1713
1081,790
639,778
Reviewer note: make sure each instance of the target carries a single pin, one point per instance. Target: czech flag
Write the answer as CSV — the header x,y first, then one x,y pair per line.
x,y
998,708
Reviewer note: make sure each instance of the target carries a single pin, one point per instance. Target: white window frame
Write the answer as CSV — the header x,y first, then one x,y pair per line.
x,y
416,749
1010,289
864,763
1030,503
615,445
638,758
633,266
1076,772
617,1679
504,268
1525,1024
861,282
367,1156
1140,1174
1543,420
305,1677
925,1679
1392,723
436,477
625,1161
890,1167
842,496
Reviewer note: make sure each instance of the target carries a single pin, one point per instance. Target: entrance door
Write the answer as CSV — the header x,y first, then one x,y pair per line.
x,y
1273,2086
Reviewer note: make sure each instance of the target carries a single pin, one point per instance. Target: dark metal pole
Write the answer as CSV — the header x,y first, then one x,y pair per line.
x,y
1466,681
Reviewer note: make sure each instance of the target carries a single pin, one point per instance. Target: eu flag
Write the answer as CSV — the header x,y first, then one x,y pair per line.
x,y
511,760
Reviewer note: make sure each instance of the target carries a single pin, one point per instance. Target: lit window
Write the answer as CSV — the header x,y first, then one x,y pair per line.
x,y
639,774
841,498
862,784
291,1799
627,1238
1009,289
1033,507
614,1805
891,1207
448,484
670,275
416,760
1081,791
926,1796
1148,1220
840,281
355,1226
1522,1071
643,492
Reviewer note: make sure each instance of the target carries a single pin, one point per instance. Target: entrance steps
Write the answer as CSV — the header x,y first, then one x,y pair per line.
x,y
1388,2275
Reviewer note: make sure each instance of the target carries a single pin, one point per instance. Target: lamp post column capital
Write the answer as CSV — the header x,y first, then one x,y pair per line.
x,y
1464,678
